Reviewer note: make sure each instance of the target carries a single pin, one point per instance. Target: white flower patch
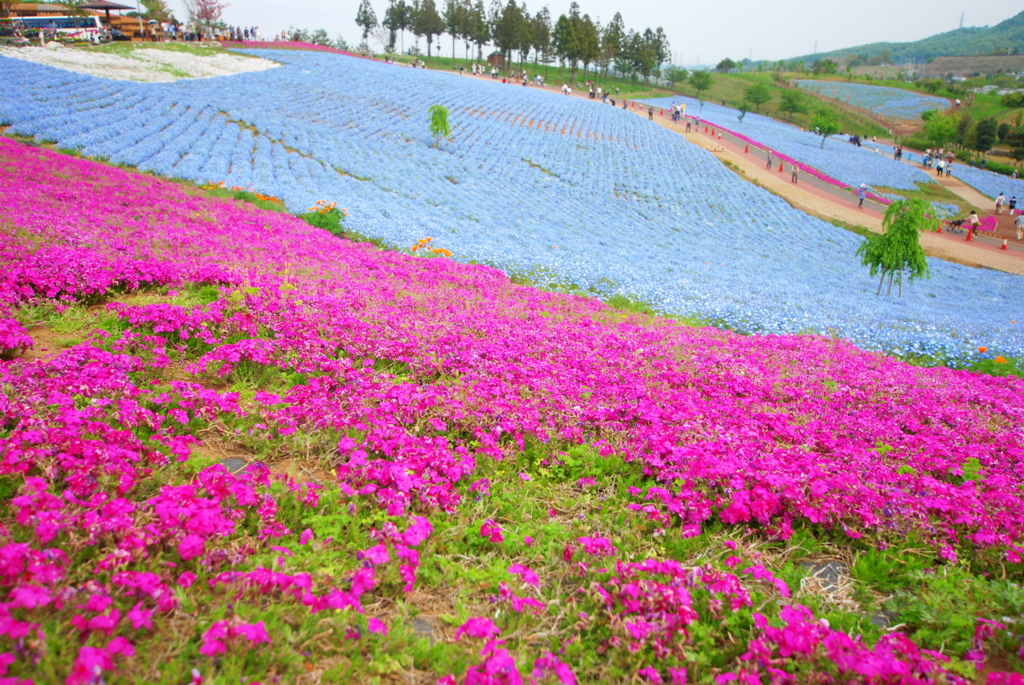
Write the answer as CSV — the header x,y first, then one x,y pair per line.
x,y
148,65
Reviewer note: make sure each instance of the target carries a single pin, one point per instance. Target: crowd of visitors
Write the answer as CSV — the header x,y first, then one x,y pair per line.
x,y
941,159
193,32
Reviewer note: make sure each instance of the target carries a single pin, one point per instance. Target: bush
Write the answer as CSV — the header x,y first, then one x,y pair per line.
x,y
916,143
327,216
1013,100
998,167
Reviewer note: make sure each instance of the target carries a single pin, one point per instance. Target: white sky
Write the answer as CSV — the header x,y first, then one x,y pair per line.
x,y
765,29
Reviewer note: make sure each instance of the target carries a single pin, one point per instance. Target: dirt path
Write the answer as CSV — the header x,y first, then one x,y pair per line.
x,y
969,194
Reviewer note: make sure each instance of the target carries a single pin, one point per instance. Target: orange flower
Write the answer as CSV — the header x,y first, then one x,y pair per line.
x,y
1000,360
982,349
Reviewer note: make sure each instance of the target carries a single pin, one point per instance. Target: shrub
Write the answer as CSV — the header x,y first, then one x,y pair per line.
x,y
327,216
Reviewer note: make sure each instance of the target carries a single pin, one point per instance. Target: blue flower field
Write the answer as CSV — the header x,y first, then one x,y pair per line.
x,y
567,190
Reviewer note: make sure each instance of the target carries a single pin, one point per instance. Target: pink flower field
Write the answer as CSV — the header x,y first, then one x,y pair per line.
x,y
451,478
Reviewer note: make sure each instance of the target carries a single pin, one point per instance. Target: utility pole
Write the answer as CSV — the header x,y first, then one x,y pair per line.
x,y
815,48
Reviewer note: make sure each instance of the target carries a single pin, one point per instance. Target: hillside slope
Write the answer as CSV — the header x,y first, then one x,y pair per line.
x,y
966,41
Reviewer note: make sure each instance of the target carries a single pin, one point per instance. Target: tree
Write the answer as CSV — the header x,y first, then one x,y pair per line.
x,y
825,124
157,10
939,130
590,42
396,19
566,42
439,126
898,247
726,65
453,22
507,30
541,27
700,81
757,95
319,37
205,12
641,53
524,35
1016,141
744,108
1004,130
824,66
612,40
479,29
428,23
985,135
964,128
675,74
366,18
792,101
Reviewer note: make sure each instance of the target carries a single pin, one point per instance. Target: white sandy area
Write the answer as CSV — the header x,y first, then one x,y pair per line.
x,y
145,64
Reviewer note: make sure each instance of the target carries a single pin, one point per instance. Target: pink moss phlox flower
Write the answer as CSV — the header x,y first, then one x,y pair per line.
x,y
526,574
140,617
186,579
418,531
306,536
363,580
478,627
222,633
374,625
598,546
377,554
89,665
650,674
492,531
191,546
547,664
498,668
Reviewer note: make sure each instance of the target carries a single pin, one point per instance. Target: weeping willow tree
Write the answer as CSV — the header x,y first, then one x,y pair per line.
x,y
897,250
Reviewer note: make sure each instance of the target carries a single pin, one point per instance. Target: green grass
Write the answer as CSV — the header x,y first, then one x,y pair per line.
x,y
127,49
931,192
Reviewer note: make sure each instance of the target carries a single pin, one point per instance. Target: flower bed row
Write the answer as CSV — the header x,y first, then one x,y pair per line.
x,y
893,103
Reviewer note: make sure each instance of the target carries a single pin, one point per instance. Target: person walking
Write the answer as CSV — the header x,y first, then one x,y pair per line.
x,y
972,224
650,114
949,168
861,194
1011,205
771,160
940,167
1000,201
793,173
1020,226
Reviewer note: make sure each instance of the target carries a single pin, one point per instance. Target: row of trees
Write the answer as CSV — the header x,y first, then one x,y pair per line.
x,y
980,136
574,39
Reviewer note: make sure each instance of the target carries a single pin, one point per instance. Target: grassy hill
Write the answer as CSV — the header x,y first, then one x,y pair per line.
x,y
966,41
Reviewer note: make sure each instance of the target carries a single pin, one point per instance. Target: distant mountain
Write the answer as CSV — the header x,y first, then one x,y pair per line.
x,y
965,41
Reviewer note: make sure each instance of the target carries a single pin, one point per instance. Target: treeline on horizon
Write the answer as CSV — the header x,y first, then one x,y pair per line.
x,y
572,40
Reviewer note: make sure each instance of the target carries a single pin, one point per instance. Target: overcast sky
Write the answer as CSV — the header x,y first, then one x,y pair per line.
x,y
763,29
